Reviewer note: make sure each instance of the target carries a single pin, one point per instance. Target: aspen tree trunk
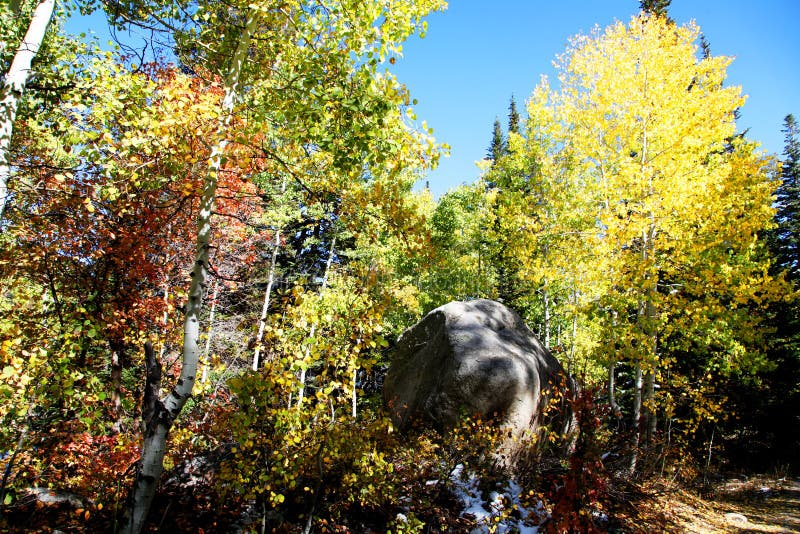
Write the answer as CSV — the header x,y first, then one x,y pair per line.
x,y
612,399
355,396
165,320
640,415
637,416
168,408
638,383
571,361
117,360
262,321
301,393
650,310
546,317
644,416
479,281
650,377
210,334
649,407
14,86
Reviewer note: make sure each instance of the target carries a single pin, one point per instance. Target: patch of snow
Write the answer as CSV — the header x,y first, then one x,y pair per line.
x,y
53,496
505,504
735,518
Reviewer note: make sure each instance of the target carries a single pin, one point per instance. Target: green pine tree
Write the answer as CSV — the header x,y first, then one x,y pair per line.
x,y
786,237
705,46
513,117
498,145
768,409
655,7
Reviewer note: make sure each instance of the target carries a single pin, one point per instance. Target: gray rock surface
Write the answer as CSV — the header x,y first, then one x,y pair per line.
x,y
470,358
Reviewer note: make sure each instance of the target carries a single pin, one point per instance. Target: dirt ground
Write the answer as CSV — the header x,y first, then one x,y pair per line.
x,y
741,505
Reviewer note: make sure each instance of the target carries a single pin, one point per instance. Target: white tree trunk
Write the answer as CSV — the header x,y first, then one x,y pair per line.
x,y
210,334
14,87
649,405
571,361
262,322
154,446
165,321
637,417
355,394
612,395
546,317
301,393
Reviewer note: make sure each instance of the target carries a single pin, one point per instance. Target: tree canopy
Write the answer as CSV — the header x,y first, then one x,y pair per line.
x,y
208,256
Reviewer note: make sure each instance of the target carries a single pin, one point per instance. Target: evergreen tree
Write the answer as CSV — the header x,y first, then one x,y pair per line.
x,y
705,46
767,424
498,145
655,7
786,237
513,117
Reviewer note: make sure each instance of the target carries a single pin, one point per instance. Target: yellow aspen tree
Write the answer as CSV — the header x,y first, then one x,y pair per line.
x,y
670,202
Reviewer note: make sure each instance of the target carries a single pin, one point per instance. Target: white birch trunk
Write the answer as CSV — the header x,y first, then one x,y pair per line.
x,y
165,320
14,87
546,317
210,334
154,446
355,394
574,331
262,322
637,417
301,393
612,395
649,404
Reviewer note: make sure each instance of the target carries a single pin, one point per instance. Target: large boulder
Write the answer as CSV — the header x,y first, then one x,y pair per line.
x,y
474,358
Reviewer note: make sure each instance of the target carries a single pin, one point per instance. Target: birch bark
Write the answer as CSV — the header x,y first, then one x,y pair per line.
x,y
168,408
14,83
262,321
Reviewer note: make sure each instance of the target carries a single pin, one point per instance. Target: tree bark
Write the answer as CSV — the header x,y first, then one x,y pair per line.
x,y
10,465
546,295
262,321
152,387
210,332
649,405
165,320
637,417
117,361
571,361
301,393
354,407
612,398
14,83
155,439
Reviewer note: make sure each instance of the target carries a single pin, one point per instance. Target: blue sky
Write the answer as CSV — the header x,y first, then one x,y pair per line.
x,y
478,53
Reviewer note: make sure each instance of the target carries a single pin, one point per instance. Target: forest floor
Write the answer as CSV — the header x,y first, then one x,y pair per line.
x,y
740,505
755,504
